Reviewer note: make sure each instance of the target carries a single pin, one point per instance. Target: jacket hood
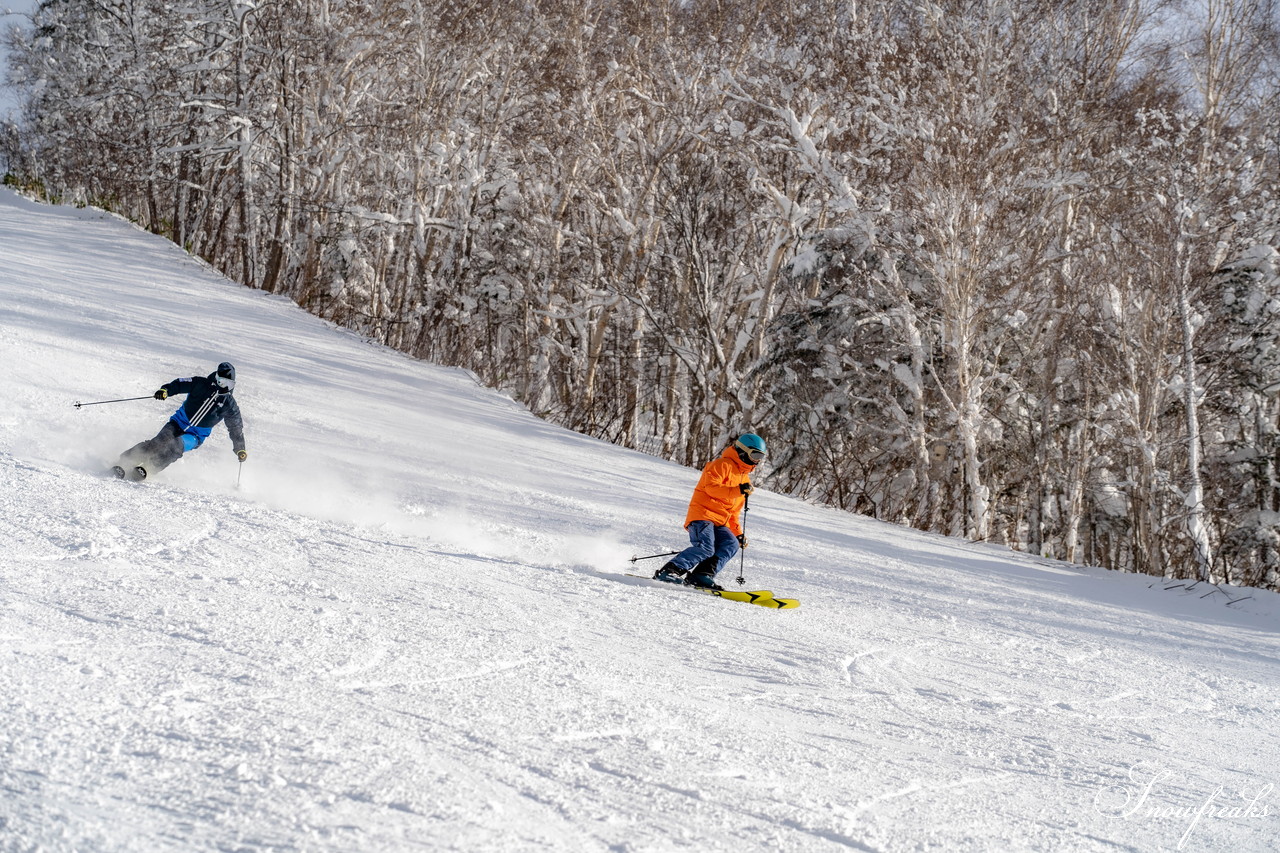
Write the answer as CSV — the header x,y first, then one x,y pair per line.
x,y
731,453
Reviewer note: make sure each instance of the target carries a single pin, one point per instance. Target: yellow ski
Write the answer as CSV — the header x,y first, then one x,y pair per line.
x,y
761,597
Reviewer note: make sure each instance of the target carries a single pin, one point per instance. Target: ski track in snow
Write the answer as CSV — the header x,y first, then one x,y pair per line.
x,y
410,628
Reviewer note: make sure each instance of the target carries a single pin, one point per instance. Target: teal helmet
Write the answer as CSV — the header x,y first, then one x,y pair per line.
x,y
751,448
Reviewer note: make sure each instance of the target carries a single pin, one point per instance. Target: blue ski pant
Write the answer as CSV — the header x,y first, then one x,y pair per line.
x,y
707,541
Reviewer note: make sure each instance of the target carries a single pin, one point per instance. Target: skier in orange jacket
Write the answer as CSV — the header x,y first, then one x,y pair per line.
x,y
715,529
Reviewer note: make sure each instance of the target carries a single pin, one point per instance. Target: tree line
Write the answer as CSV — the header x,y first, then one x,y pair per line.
x,y
1005,271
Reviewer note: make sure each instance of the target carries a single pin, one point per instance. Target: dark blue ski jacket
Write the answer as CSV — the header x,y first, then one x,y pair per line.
x,y
207,406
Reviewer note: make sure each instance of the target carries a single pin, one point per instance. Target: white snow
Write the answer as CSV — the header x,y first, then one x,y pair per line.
x,y
410,627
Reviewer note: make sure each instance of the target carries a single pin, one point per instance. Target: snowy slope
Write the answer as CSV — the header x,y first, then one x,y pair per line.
x,y
410,627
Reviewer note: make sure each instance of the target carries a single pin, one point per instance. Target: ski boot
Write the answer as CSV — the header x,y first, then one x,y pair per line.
x,y
671,573
703,580
704,574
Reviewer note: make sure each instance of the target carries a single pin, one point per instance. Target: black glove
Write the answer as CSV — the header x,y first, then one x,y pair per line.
x,y
161,394
746,488
742,540
242,455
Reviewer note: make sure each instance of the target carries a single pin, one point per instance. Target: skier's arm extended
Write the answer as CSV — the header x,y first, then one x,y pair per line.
x,y
177,386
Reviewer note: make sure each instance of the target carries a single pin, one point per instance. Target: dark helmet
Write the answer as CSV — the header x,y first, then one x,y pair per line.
x,y
751,448
225,376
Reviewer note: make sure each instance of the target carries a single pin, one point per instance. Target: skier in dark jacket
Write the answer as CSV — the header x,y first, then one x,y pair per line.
x,y
209,402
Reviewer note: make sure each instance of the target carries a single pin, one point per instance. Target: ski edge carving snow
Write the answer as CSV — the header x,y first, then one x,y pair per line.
x,y
758,597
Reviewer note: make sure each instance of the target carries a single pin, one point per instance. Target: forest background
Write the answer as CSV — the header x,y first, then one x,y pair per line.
x,y
1000,270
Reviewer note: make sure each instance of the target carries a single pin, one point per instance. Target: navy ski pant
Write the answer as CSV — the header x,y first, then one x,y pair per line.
x,y
707,541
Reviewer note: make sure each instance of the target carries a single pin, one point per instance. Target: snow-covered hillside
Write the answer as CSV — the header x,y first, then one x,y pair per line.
x,y
410,627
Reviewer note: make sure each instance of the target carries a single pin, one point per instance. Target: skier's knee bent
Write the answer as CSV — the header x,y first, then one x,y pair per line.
x,y
701,545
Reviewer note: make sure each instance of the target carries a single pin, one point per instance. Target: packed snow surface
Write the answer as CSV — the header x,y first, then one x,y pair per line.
x,y
405,623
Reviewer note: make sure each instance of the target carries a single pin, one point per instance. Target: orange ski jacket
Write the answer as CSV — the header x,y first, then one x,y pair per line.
x,y
718,497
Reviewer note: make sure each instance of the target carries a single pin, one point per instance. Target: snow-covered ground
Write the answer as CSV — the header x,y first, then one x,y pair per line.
x,y
410,627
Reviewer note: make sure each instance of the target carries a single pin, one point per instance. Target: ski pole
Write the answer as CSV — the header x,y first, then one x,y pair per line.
x,y
746,505
239,471
78,404
654,556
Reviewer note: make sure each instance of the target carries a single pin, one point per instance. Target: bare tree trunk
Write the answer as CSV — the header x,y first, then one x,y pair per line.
x,y
1197,527
248,226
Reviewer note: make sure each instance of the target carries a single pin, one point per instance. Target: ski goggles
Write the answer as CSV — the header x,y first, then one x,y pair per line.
x,y
756,456
224,382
